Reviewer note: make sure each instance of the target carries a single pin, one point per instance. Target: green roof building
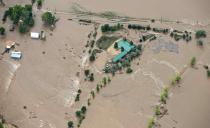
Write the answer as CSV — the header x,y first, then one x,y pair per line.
x,y
127,48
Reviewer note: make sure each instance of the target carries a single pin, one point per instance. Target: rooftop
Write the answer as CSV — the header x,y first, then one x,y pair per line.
x,y
122,44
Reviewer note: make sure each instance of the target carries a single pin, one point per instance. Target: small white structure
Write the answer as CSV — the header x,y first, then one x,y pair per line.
x,y
35,35
16,55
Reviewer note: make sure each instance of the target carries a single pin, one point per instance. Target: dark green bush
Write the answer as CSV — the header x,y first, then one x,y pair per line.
x,y
39,3
22,15
208,73
78,114
108,28
193,62
129,70
116,45
77,97
92,57
70,124
200,34
2,31
83,109
22,28
87,72
48,18
151,123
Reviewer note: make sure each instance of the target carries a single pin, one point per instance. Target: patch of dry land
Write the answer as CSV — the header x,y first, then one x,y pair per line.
x,y
67,81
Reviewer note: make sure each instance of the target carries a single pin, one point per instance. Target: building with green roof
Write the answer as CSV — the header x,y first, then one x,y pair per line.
x,y
126,46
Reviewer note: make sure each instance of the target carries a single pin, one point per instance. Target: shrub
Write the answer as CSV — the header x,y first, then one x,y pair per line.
x,y
200,42
70,124
162,99
200,34
92,57
93,94
206,67
79,91
92,42
193,62
2,31
22,15
91,77
48,18
208,73
87,72
97,88
22,28
108,28
153,20
116,45
6,13
104,81
151,122
39,3
88,102
178,78
129,70
1,125
83,109
77,97
94,34
165,92
157,110
78,114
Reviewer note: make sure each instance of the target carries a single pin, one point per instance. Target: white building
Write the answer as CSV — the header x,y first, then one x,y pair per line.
x,y
35,35
16,55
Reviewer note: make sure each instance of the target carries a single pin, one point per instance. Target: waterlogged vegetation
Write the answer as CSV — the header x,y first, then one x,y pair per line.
x,y
151,123
108,28
139,27
81,113
178,35
39,3
208,73
2,31
200,34
48,18
206,67
77,98
70,124
88,75
193,62
176,79
21,16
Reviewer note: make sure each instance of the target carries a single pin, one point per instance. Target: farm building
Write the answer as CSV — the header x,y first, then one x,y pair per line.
x,y
126,46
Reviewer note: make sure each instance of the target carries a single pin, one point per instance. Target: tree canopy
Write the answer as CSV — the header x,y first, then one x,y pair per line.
x,y
20,15
48,18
